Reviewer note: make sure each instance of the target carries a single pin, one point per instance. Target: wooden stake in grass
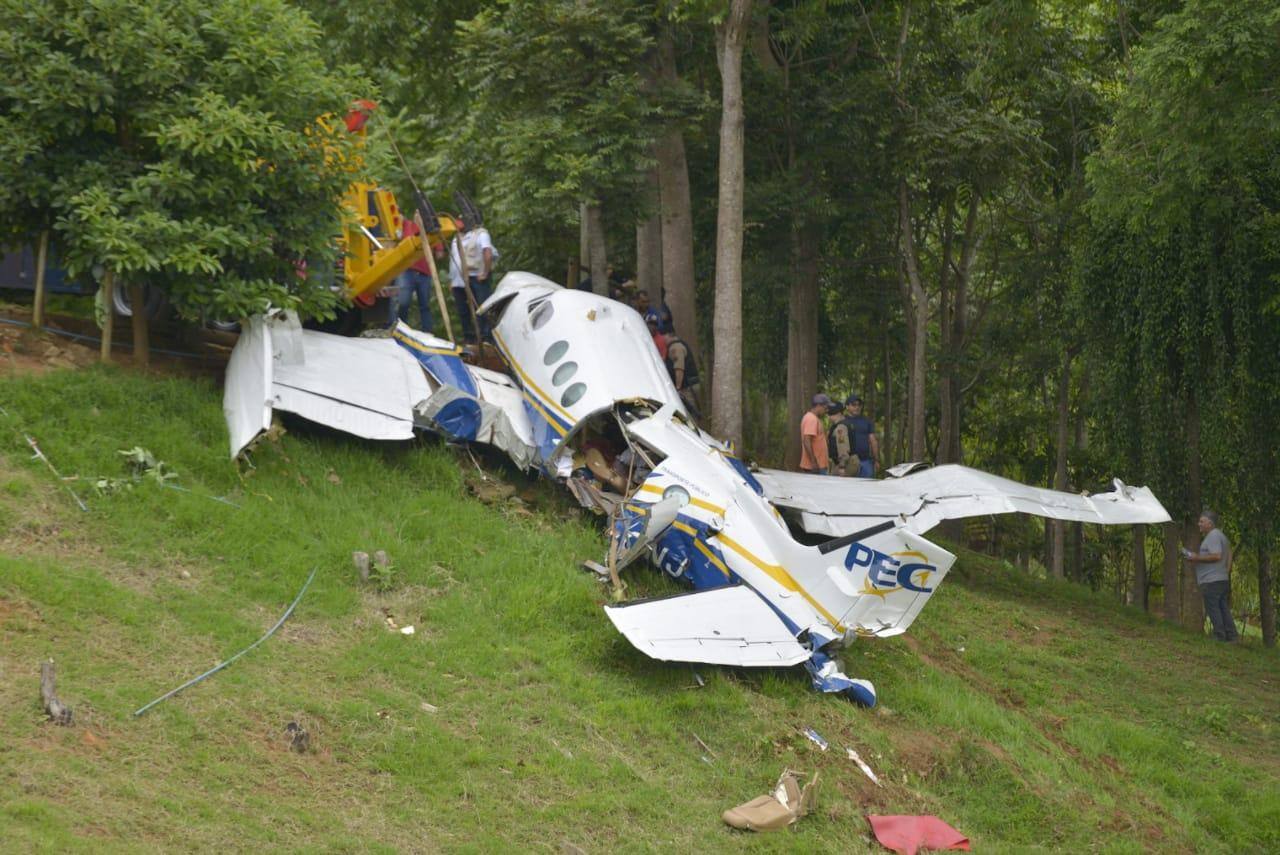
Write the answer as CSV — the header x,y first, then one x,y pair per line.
x,y
58,713
141,333
109,313
42,261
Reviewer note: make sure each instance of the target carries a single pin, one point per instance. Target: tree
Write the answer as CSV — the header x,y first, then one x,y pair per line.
x,y
726,392
178,143
559,114
1180,272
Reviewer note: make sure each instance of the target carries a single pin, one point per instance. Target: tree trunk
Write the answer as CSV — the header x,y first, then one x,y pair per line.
x,y
1060,462
1171,544
726,389
676,214
649,245
887,430
1192,601
584,238
1138,597
802,335
916,306
945,366
599,253
42,264
1265,597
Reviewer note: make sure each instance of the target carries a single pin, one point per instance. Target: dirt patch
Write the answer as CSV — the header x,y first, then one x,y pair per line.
x,y
27,352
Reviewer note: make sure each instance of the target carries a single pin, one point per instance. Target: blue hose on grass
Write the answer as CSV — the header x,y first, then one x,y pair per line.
x,y
216,668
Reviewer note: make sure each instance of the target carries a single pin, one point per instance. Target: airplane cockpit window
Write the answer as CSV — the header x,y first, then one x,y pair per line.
x,y
540,311
573,394
563,373
555,352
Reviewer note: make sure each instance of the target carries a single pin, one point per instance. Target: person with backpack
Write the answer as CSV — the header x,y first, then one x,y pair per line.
x,y
684,372
852,444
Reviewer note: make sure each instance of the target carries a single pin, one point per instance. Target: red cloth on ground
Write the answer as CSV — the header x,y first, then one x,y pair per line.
x,y
906,834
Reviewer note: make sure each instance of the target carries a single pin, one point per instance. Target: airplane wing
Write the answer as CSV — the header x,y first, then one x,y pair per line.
x,y
723,626
366,387
375,388
921,500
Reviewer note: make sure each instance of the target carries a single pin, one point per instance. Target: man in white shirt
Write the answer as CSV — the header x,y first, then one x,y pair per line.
x,y
479,255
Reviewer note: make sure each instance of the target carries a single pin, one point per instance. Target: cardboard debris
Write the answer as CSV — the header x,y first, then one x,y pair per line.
x,y
783,807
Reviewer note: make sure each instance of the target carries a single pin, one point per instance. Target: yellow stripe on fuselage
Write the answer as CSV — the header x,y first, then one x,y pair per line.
x,y
417,345
782,577
716,562
547,399
697,503
533,401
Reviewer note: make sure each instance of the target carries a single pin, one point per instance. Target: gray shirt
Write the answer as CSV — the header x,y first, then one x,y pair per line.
x,y
1213,571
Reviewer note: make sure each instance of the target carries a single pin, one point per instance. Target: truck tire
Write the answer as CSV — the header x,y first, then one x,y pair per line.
x,y
153,301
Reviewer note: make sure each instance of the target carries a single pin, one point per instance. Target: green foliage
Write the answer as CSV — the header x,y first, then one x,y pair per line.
x,y
560,111
1181,266
177,143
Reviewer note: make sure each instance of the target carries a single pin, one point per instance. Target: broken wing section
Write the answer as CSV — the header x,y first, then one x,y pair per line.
x,y
724,626
246,397
366,387
375,388
919,501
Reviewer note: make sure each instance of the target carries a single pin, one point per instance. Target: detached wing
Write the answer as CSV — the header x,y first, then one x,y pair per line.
x,y
723,626
840,506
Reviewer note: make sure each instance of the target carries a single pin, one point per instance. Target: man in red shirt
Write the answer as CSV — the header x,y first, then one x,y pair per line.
x,y
813,439
659,340
415,280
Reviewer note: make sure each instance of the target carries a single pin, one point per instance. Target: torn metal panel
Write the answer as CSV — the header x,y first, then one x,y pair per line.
x,y
922,500
246,397
725,626
457,415
440,358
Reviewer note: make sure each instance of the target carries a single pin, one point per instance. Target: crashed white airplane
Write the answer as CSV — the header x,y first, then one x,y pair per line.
x,y
786,568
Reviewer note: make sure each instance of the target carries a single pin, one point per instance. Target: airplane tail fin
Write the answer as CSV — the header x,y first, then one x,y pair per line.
x,y
890,576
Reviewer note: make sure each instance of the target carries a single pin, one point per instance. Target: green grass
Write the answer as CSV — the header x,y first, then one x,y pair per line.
x,y
1030,715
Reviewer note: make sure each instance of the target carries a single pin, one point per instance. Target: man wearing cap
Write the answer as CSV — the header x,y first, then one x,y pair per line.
x,y
659,340
853,442
813,445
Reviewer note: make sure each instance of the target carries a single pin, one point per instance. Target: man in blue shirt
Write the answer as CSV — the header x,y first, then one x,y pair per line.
x,y
854,446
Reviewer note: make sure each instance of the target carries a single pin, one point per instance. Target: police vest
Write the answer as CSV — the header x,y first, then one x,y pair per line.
x,y
690,364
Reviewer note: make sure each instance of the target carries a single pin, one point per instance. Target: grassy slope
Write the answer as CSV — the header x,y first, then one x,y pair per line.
x,y
1026,714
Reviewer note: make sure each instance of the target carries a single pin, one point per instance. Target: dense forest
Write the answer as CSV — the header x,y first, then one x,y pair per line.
x,y
1039,238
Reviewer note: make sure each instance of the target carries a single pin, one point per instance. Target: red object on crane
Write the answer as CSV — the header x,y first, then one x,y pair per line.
x,y
358,115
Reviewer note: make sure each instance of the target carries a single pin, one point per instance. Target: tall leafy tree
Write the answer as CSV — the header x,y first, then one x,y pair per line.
x,y
1182,265
177,143
559,114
